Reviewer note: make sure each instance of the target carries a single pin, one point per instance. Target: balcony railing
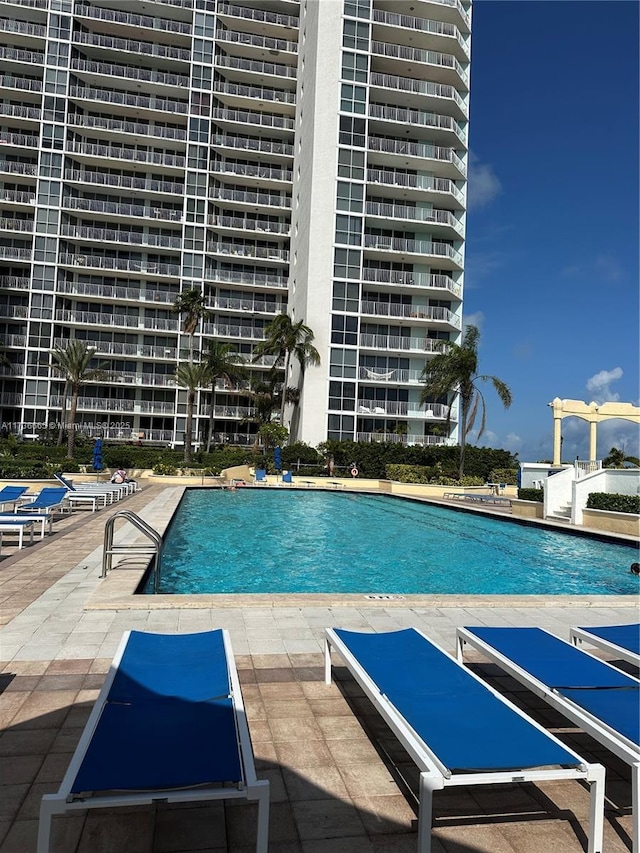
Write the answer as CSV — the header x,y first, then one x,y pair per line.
x,y
418,312
261,119
394,438
109,291
25,84
145,48
414,54
15,282
220,330
412,279
20,140
116,153
13,54
7,224
262,93
149,268
252,306
133,350
417,247
23,28
144,21
243,223
418,182
402,408
130,72
165,105
125,181
243,143
418,87
399,344
262,42
123,126
14,312
261,15
111,235
417,118
11,168
111,207
17,196
406,148
416,214
262,198
246,250
251,279
267,68
20,111
249,170
13,253
425,25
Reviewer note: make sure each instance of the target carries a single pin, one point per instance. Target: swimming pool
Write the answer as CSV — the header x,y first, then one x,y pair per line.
x,y
268,541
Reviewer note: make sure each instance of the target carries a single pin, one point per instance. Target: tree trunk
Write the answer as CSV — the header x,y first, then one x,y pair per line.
x,y
283,403
463,437
63,414
71,437
188,428
211,414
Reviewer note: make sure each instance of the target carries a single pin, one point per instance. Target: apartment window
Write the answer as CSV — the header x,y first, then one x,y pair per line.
x,y
345,296
51,164
356,35
201,77
191,265
204,25
57,53
353,99
200,104
357,8
52,136
344,329
42,306
195,210
198,130
349,230
193,238
60,27
351,164
49,192
43,277
354,67
45,249
55,81
342,396
342,362
202,51
196,184
349,196
53,109
346,263
352,131
340,427
198,157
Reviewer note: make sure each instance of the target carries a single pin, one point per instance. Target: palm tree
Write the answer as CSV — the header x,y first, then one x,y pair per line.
x,y
285,339
72,362
455,369
224,363
616,458
191,376
191,306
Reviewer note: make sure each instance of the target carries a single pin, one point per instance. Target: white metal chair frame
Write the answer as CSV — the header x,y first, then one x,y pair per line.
x,y
583,635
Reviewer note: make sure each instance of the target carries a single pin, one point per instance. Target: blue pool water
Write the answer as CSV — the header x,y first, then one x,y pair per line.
x,y
268,541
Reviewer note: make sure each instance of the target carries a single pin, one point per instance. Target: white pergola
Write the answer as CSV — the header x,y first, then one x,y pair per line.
x,y
593,413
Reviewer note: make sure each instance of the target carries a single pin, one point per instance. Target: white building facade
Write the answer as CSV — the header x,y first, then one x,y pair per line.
x,y
278,156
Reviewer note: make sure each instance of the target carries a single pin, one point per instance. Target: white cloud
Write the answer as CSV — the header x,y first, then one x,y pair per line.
x,y
513,441
598,385
475,319
484,184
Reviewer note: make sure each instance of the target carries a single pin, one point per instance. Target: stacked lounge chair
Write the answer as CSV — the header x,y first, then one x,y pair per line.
x,y
620,640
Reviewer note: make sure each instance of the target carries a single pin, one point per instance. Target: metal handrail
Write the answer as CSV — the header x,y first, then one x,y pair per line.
x,y
109,549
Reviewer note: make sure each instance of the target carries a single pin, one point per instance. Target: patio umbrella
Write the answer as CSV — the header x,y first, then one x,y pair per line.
x,y
97,455
277,458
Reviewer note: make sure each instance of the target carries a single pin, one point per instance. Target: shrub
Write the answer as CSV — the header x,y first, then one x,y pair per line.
x,y
614,502
504,475
536,495
165,469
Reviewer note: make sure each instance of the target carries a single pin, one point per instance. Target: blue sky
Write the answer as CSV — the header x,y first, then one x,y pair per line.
x,y
552,229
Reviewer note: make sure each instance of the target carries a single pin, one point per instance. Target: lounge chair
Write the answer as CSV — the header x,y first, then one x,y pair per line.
x,y
457,729
287,477
108,492
621,640
44,518
19,527
260,476
597,697
50,497
11,495
168,726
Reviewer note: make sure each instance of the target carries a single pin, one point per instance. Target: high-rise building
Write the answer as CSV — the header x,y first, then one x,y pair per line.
x,y
276,156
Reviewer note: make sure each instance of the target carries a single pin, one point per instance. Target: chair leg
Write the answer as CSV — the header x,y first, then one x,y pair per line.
x,y
47,810
262,839
596,808
635,806
429,782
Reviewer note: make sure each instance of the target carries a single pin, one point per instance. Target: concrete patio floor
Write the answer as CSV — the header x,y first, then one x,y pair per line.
x,y
340,782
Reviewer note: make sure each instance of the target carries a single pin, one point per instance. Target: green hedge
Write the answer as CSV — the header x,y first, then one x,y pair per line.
x,y
531,495
614,502
427,475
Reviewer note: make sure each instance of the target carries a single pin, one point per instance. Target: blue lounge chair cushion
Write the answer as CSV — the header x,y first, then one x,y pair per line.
x,y
625,636
456,716
49,497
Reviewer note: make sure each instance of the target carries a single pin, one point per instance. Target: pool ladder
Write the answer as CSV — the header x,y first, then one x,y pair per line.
x,y
151,548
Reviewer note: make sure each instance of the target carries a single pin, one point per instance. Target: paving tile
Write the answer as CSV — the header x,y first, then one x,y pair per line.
x,y
315,783
329,818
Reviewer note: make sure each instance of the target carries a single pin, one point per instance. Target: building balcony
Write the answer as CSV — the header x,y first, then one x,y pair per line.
x,y
252,280
396,376
246,306
14,312
394,438
148,269
98,153
255,199
17,197
237,119
8,399
126,45
112,235
133,21
247,44
13,341
259,16
439,36
445,223
243,96
124,99
233,332
245,68
257,146
23,28
395,343
111,208
246,250
19,113
395,408
105,179
25,85
268,177
110,292
121,129
419,94
143,351
231,412
130,72
414,155
443,130
417,187
19,140
9,167
15,282
397,249
11,55
388,57
244,224
14,253
22,225
393,311
393,279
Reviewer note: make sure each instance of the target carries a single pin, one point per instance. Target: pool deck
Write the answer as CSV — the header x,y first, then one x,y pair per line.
x,y
333,764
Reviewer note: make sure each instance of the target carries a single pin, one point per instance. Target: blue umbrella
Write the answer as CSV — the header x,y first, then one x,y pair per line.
x,y
277,458
97,455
